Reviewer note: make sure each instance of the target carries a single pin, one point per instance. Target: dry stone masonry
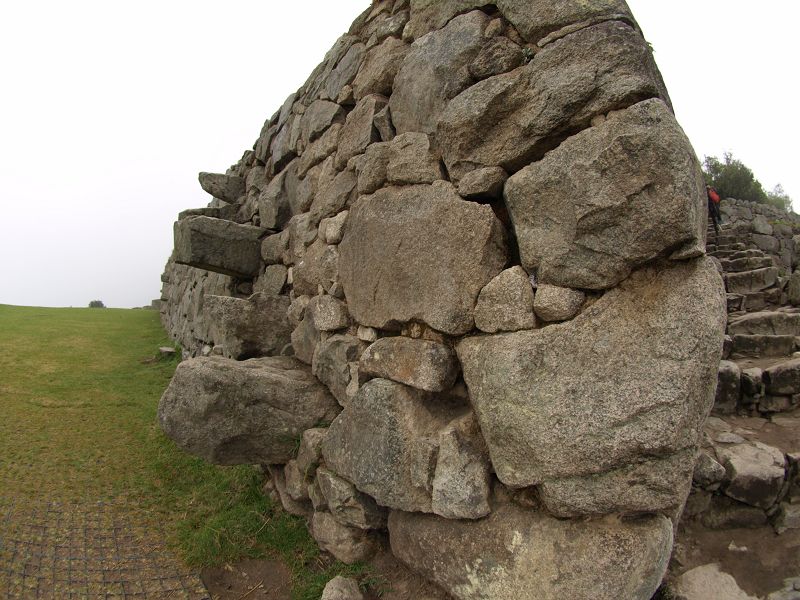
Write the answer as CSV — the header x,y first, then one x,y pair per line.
x,y
458,291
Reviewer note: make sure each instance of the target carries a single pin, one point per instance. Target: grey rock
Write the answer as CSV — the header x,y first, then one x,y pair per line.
x,y
762,346
412,161
297,309
225,187
310,451
271,281
793,288
358,131
385,444
514,118
249,328
383,123
783,378
380,68
462,479
422,364
331,363
512,552
728,388
347,544
230,412
708,473
434,71
608,199
345,70
506,303
333,196
655,485
333,227
499,55
554,303
273,248
329,313
305,338
751,281
318,151
707,582
342,588
483,183
534,19
645,371
419,253
217,245
274,210
754,473
348,505
296,482
299,508
319,266
320,115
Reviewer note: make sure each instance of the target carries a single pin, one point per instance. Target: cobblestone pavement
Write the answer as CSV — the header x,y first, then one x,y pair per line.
x,y
51,550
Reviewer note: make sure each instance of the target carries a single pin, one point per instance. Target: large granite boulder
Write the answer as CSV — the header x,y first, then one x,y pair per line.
x,y
225,187
625,385
387,443
515,553
419,253
218,245
435,70
514,118
229,412
609,199
249,328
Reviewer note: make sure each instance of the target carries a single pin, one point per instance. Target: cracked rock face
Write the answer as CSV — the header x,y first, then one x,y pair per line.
x,y
477,234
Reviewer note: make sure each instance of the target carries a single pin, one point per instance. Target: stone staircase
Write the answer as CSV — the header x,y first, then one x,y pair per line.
x,y
744,510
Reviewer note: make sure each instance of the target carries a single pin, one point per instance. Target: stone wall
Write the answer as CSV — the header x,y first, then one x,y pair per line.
x,y
458,292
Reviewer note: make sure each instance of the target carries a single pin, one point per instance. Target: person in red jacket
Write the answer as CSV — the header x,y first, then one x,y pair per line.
x,y
713,207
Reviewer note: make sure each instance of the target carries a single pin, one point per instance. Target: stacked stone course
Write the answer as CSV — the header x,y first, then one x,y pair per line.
x,y
462,271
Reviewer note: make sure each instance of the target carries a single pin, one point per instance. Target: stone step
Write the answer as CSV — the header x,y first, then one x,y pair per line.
x,y
754,280
759,301
766,323
738,265
749,253
761,346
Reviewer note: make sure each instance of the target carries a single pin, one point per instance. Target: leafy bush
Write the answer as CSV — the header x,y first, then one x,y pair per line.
x,y
733,179
96,304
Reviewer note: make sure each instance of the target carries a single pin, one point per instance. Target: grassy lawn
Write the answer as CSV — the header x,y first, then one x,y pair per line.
x,y
78,400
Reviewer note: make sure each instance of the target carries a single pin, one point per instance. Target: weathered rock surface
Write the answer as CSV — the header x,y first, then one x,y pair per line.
x,y
386,442
380,67
514,553
331,363
348,505
707,583
342,588
534,19
218,245
754,473
506,303
418,253
435,70
608,200
643,371
347,544
554,303
514,118
249,328
422,364
230,412
225,187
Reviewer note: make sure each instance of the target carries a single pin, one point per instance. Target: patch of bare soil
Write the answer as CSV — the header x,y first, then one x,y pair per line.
x,y
758,559
249,579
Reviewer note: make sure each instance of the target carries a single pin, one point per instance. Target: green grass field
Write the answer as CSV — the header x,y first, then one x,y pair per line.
x,y
78,398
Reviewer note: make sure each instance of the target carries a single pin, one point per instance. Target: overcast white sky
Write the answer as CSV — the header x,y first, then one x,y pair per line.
x,y
108,110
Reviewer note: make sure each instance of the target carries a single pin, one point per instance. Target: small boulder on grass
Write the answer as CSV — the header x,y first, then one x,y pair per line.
x,y
166,352
342,588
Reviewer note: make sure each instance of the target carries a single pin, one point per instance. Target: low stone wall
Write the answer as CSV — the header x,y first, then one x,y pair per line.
x,y
457,292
